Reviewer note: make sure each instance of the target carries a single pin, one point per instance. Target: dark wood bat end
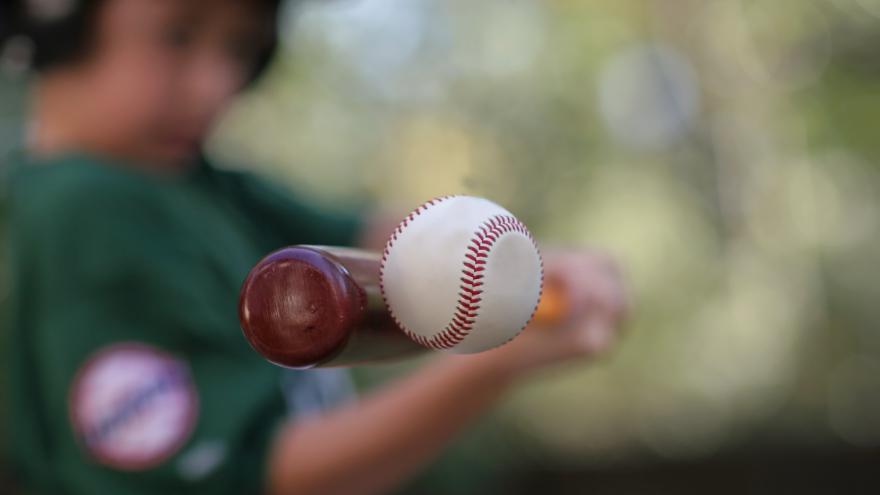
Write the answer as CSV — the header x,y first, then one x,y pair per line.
x,y
297,307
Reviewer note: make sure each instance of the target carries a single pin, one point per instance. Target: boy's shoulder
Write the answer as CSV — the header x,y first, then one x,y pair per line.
x,y
77,172
76,181
79,197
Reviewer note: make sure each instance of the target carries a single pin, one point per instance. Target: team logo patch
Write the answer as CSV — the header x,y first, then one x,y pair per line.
x,y
132,405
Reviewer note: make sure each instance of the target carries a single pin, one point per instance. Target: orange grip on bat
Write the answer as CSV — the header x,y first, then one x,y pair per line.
x,y
553,306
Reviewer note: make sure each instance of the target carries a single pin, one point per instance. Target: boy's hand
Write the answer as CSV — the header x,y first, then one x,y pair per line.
x,y
596,305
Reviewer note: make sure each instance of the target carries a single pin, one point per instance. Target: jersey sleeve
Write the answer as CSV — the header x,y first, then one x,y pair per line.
x,y
295,219
144,385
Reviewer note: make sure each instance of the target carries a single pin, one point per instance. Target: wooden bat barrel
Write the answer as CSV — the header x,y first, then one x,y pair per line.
x,y
307,306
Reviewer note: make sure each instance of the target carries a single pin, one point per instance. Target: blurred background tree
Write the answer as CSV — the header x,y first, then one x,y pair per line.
x,y
725,151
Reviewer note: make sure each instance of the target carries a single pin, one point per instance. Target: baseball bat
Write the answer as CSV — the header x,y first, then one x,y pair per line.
x,y
307,306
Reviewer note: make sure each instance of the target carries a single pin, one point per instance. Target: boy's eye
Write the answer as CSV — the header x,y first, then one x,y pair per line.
x,y
178,37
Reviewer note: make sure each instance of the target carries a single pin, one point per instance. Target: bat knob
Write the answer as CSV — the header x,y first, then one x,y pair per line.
x,y
297,307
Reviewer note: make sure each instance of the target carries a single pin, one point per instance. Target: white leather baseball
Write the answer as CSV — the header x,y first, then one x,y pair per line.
x,y
461,273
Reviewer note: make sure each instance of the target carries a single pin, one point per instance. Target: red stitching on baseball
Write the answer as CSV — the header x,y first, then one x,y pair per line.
x,y
468,304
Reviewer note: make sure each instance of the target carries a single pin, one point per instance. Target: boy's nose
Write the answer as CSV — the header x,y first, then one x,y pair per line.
x,y
213,81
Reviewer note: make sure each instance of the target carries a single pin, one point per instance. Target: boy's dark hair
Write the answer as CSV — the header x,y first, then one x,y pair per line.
x,y
62,36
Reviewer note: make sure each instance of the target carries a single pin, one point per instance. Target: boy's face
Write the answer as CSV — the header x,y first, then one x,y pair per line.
x,y
159,72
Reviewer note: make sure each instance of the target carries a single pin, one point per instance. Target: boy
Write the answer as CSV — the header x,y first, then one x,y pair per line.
x,y
129,372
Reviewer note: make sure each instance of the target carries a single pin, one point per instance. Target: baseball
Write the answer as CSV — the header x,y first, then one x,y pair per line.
x,y
461,273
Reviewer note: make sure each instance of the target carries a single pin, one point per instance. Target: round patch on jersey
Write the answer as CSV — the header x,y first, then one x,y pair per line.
x,y
133,405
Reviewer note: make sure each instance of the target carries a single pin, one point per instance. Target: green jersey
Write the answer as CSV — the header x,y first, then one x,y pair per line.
x,y
128,371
